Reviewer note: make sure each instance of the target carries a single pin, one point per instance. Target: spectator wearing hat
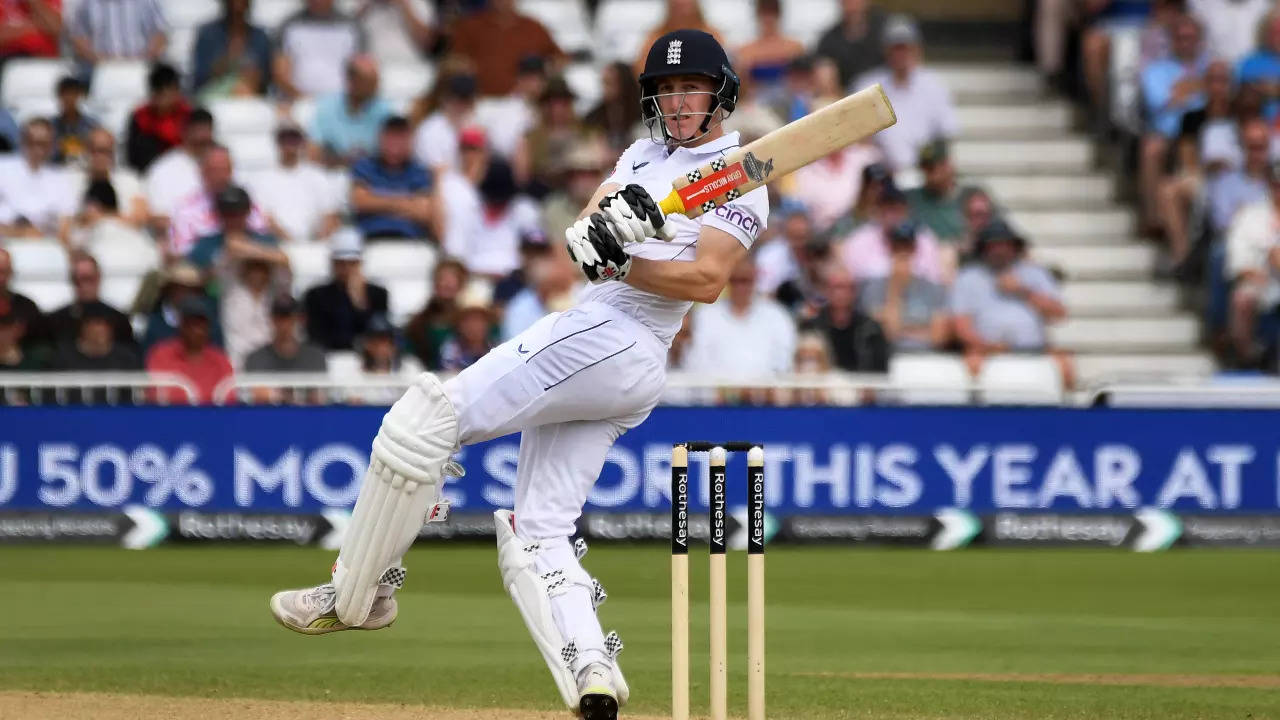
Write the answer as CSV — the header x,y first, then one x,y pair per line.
x,y
287,352
436,140
176,175
1003,302
179,281
430,327
117,30
311,48
95,343
553,136
875,178
35,195
191,355
855,42
866,253
162,122
830,185
197,214
857,341
472,333
392,195
71,126
231,56
585,168
296,195
920,98
30,323
246,310
234,242
31,29
489,222
346,124
910,309
405,29
936,203
339,310
518,36
86,283
1253,269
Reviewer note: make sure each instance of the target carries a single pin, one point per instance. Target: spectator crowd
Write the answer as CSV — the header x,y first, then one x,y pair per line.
x,y
1194,87
487,166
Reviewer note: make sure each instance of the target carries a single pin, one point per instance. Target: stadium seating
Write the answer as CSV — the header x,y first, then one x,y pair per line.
x,y
806,20
309,262
622,26
243,116
402,83
48,295
735,20
1020,380
39,259
191,13
566,20
118,83
926,379
27,78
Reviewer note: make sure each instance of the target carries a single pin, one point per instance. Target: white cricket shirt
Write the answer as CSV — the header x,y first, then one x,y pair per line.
x,y
649,165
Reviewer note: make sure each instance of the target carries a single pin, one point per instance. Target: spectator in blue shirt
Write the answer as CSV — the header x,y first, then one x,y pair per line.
x,y
231,57
392,195
1261,68
346,124
1170,87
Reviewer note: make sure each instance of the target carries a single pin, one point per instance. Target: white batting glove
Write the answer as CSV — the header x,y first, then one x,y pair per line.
x,y
634,215
593,244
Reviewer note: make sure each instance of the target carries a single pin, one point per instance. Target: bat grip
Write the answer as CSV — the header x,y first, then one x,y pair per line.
x,y
671,204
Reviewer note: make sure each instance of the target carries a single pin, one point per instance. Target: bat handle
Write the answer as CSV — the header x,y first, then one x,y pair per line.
x,y
671,204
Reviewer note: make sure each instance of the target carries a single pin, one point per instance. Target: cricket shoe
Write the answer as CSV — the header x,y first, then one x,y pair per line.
x,y
310,611
597,699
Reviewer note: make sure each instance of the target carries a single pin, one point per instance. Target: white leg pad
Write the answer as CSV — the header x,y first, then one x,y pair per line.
x,y
401,491
532,591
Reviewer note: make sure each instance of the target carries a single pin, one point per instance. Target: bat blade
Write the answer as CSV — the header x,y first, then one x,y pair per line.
x,y
781,152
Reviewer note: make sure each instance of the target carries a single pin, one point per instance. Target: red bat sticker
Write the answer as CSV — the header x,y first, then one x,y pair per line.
x,y
712,186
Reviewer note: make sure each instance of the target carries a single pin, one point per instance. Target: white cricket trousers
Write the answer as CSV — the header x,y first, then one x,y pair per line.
x,y
570,385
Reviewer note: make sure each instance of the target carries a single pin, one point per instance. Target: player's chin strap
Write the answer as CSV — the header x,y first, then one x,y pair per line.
x,y
712,119
532,589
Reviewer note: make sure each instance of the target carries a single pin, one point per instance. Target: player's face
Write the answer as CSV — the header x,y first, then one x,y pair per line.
x,y
685,101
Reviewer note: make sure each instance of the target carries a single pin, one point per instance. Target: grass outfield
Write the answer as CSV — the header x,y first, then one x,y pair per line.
x,y
851,633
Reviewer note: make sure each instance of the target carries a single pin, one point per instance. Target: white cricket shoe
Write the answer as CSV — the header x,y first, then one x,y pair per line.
x,y
597,699
310,611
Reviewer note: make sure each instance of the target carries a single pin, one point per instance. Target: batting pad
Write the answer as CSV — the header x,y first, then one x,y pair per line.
x,y
400,492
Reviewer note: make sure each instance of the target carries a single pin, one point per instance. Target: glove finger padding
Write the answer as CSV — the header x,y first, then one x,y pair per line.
x,y
627,226
644,209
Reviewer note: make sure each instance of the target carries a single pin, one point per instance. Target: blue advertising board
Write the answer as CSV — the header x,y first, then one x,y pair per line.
x,y
819,461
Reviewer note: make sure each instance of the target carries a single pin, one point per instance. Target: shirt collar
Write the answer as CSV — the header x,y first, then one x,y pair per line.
x,y
726,142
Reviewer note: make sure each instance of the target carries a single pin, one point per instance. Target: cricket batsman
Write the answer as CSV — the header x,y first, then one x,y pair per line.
x,y
570,385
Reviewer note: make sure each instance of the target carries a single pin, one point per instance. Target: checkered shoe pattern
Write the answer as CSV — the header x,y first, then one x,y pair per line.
x,y
598,595
393,577
612,644
579,548
569,653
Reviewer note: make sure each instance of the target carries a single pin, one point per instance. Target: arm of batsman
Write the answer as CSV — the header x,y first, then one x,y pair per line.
x,y
635,216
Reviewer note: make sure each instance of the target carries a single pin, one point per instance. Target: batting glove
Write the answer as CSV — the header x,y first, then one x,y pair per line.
x,y
635,216
594,246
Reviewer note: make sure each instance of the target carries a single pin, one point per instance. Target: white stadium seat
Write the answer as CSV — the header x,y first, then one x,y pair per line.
x,y
243,116
181,43
251,153
42,259
303,113
271,14
116,119
406,297
118,82
34,107
735,20
191,13
119,292
584,80
48,295
343,364
566,20
623,25
401,259
309,262
1020,380
118,256
402,82
926,379
806,20
31,78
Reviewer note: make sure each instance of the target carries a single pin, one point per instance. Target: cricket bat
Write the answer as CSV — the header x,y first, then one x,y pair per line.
x,y
780,153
